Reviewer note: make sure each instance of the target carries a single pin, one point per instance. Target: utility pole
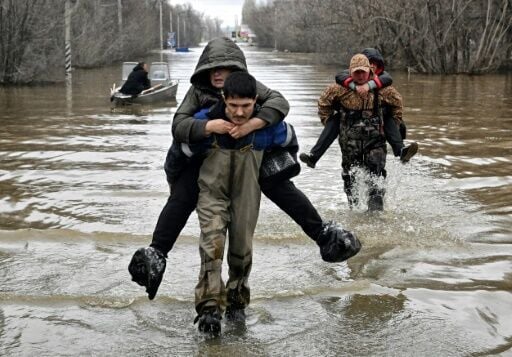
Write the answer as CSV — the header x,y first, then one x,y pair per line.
x,y
161,29
67,54
170,21
178,33
161,32
185,34
275,27
236,27
67,37
120,23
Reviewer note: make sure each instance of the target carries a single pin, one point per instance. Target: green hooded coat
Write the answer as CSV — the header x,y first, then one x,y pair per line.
x,y
220,52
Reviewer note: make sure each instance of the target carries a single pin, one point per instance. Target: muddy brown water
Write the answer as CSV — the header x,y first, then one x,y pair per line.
x,y
81,188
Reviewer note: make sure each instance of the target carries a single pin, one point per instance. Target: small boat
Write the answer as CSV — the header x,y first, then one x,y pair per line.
x,y
163,88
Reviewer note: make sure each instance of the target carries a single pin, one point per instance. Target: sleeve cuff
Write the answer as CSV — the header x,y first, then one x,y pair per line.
x,y
271,116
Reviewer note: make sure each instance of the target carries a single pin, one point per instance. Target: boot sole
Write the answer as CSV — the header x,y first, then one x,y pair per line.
x,y
305,159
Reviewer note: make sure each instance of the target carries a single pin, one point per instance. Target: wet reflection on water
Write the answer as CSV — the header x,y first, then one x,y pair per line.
x,y
82,186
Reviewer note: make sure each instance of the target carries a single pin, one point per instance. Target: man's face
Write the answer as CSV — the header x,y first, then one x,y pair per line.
x,y
239,110
360,77
218,76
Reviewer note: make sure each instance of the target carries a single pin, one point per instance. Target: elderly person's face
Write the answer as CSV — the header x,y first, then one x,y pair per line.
x,y
218,76
360,77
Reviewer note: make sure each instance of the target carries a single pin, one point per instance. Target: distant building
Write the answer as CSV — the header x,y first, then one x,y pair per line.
x,y
242,33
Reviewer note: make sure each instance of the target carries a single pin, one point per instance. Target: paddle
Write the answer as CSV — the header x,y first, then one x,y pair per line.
x,y
151,89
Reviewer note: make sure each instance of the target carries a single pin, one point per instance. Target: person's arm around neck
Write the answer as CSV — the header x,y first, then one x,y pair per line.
x,y
185,128
274,107
239,131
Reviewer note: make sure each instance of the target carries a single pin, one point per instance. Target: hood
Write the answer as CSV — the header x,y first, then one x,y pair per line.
x,y
138,67
374,55
219,52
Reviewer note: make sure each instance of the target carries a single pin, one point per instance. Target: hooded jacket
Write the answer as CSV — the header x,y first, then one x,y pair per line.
x,y
220,52
279,136
136,82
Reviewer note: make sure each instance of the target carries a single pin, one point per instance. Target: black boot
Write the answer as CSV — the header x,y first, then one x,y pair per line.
x,y
376,200
235,314
147,269
209,321
308,159
408,151
375,203
348,187
337,244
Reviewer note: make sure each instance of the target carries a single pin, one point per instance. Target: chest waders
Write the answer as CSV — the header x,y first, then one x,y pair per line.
x,y
228,204
363,144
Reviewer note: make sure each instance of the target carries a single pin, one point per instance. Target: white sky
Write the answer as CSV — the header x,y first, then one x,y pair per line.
x,y
226,10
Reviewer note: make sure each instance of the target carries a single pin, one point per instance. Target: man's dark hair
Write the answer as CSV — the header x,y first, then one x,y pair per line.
x,y
139,66
240,85
374,56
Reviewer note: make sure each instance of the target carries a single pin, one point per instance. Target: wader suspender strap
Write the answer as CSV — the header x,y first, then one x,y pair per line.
x,y
247,147
376,102
376,111
215,143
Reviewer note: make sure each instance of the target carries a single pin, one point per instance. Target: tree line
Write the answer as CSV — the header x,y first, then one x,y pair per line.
x,y
32,34
428,36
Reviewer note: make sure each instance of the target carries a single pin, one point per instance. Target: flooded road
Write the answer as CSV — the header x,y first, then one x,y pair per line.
x,y
81,188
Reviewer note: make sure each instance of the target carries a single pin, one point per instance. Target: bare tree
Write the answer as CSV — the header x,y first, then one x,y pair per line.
x,y
27,41
434,36
32,35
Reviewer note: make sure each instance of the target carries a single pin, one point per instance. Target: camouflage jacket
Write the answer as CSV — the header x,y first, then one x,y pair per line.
x,y
336,98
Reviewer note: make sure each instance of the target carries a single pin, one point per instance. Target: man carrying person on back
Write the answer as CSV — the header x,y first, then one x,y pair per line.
x,y
395,132
229,201
362,139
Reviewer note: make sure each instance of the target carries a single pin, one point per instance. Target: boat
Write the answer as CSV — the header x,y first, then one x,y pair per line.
x,y
163,88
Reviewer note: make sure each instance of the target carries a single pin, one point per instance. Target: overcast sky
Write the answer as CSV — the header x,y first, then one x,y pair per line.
x,y
226,10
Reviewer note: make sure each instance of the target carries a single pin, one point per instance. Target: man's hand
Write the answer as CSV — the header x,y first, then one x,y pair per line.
x,y
239,131
218,126
363,89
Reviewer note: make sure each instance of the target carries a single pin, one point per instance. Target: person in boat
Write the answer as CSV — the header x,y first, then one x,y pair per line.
x,y
137,81
220,57
395,132
362,138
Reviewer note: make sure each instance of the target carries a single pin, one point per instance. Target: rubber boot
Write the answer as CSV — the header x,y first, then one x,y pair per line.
x,y
376,200
337,244
209,321
147,269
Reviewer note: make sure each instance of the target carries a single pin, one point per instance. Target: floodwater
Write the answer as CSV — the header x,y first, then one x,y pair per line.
x,y
81,188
